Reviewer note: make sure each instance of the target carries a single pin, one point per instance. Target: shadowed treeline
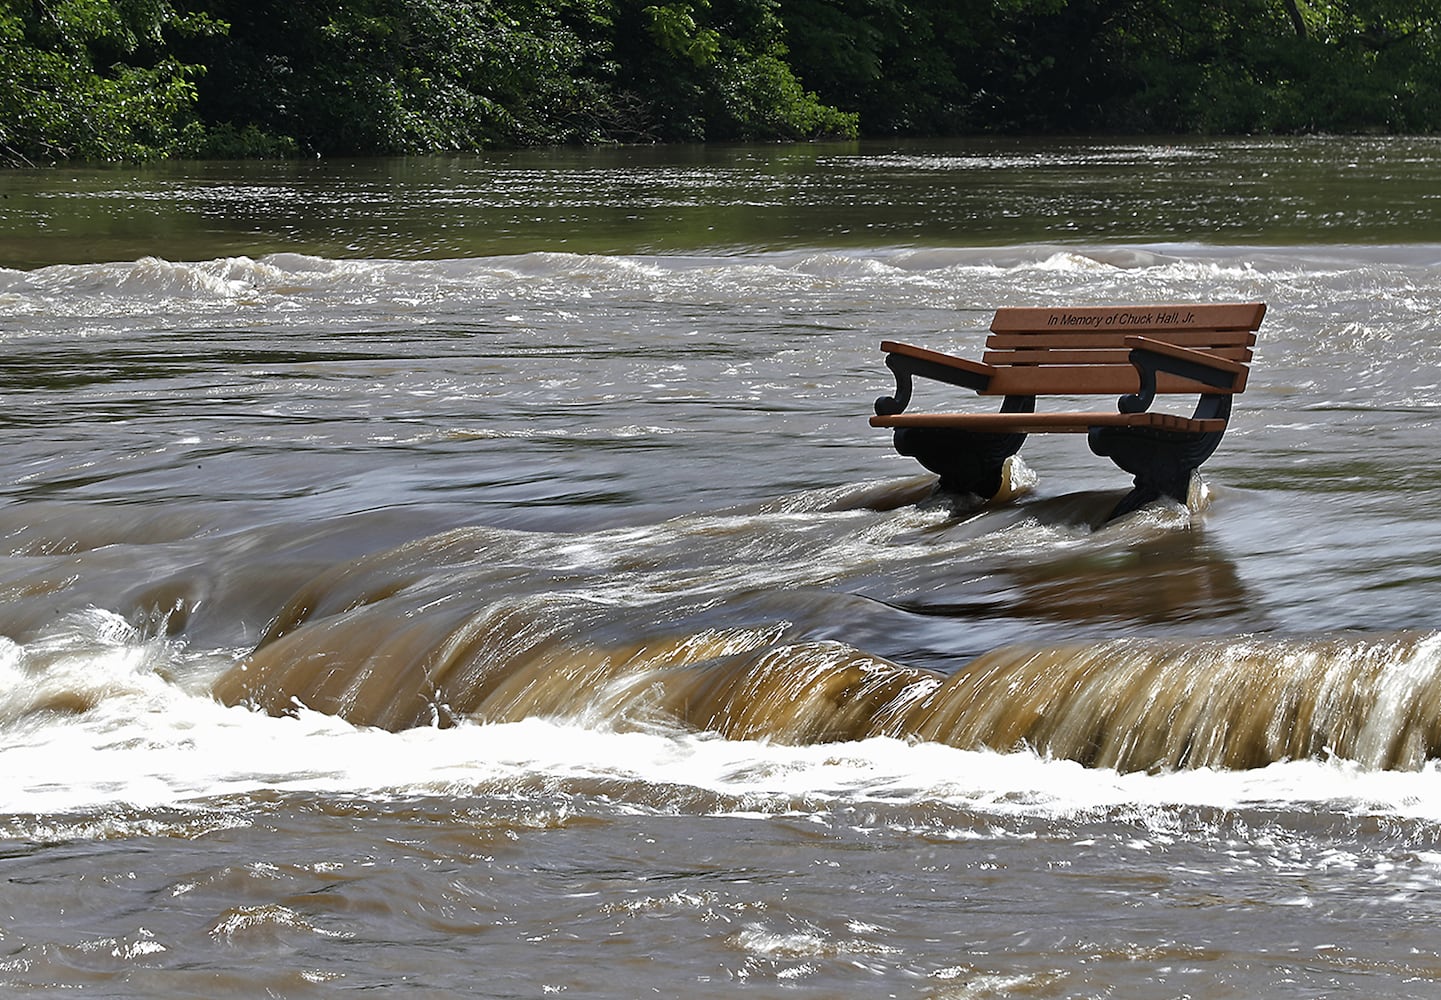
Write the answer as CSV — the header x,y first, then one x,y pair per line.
x,y
220,78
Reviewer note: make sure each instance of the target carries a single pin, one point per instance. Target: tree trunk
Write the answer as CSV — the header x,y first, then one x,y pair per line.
x,y
1297,22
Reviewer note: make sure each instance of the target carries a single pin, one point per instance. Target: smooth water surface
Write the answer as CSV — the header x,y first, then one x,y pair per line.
x,y
608,652
728,199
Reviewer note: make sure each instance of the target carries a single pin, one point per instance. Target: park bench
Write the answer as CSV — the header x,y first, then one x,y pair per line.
x,y
1132,352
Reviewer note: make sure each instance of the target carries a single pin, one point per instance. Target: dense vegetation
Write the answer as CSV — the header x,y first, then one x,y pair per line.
x,y
126,79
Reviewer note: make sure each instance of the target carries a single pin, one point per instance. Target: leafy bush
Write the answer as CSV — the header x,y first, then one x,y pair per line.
x,y
92,79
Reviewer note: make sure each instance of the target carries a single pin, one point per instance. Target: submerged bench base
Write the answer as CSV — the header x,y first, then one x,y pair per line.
x,y
1161,463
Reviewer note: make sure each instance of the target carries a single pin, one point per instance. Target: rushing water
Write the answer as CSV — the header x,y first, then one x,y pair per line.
x,y
478,577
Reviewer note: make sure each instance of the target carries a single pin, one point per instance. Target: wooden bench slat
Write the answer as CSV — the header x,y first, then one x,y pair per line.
x,y
1227,316
1079,376
1116,356
1044,339
1039,423
1084,380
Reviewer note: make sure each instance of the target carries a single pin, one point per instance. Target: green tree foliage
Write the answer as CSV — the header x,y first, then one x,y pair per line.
x,y
397,76
94,79
108,79
1271,66
927,66
716,69
909,67
401,76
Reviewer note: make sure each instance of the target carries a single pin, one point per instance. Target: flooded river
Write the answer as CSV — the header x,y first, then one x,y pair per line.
x,y
477,577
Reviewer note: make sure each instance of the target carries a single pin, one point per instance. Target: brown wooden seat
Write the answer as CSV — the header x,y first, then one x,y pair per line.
x,y
1132,352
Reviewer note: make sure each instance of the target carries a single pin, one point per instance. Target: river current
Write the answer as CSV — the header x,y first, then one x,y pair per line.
x,y
477,577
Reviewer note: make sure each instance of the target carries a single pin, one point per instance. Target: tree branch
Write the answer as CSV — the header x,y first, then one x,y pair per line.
x,y
1293,8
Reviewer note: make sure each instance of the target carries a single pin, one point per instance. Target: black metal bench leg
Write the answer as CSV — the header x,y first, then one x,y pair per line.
x,y
967,462
1161,462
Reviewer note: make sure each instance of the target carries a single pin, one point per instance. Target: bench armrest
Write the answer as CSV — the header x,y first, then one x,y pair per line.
x,y
1150,356
906,361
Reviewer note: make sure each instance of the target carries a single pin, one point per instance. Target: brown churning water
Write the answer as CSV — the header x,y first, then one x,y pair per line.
x,y
1128,704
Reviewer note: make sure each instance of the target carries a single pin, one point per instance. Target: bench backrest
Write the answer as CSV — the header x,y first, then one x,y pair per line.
x,y
1071,351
